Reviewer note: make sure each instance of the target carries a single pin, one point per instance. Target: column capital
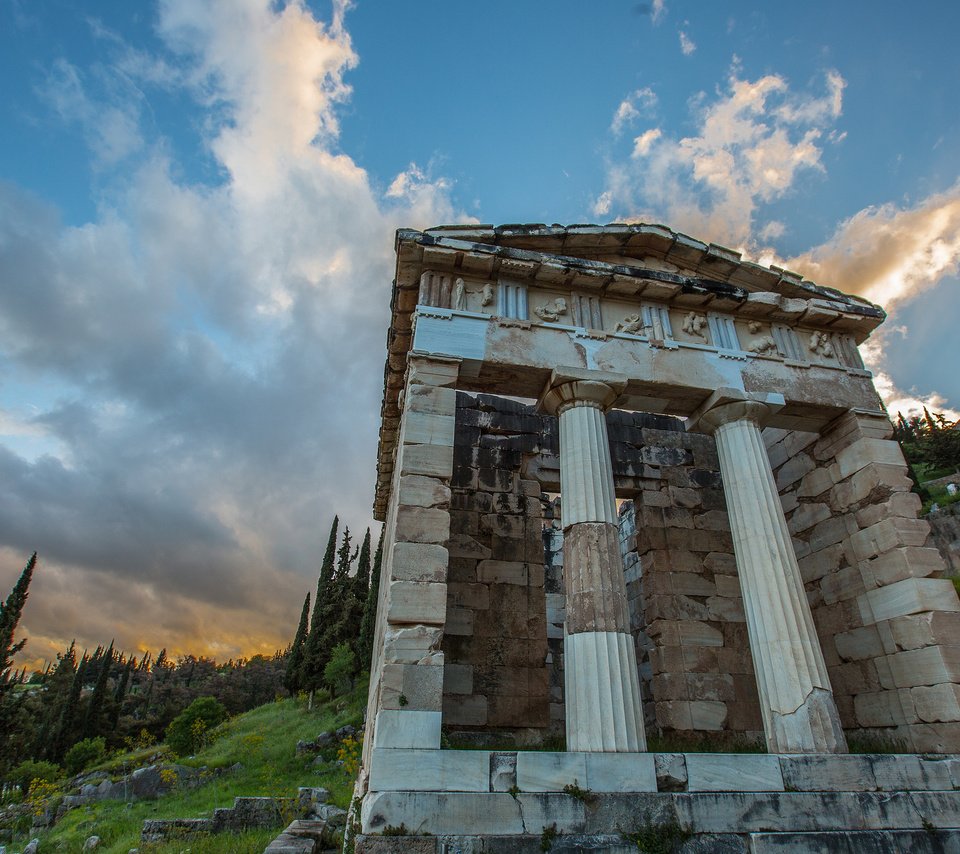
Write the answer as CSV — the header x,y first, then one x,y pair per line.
x,y
726,405
569,387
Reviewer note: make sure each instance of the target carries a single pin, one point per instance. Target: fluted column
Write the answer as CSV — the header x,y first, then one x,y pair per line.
x,y
796,700
601,687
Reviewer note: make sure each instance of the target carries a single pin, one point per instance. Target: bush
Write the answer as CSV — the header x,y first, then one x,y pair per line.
x,y
338,673
84,754
188,731
28,771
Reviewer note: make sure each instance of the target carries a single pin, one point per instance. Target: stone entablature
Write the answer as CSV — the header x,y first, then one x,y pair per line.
x,y
660,289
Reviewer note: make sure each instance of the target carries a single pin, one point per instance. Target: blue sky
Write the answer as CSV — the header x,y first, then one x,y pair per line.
x,y
197,202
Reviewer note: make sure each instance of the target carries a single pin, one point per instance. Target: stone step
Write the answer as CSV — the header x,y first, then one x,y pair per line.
x,y
302,836
499,814
858,842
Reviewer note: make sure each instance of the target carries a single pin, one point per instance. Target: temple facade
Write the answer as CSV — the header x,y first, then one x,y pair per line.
x,y
638,493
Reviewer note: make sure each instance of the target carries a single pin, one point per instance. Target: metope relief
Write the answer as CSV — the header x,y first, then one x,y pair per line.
x,y
762,342
551,312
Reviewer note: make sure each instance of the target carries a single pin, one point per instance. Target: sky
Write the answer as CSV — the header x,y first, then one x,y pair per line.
x,y
197,207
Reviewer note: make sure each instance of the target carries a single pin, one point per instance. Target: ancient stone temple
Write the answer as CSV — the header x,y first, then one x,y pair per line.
x,y
642,507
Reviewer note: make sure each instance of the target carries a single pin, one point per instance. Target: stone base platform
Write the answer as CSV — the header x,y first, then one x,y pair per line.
x,y
696,802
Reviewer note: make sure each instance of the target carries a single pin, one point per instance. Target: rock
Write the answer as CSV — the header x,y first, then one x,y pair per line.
x,y
305,747
325,739
308,798
92,843
33,846
344,731
332,815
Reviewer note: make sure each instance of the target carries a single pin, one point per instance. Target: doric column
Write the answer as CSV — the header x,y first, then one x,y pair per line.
x,y
601,687
799,713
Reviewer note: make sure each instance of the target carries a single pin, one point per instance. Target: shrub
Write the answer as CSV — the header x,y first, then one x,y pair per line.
x,y
187,732
84,754
29,770
338,673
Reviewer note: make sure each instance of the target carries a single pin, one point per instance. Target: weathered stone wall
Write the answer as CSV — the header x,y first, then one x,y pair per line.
x,y
888,621
682,583
945,535
495,642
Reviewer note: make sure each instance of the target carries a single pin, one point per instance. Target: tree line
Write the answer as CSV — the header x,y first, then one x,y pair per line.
x,y
128,700
928,440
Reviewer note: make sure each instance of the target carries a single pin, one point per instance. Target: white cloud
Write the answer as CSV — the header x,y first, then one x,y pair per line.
x,y
752,142
218,347
636,104
643,143
657,10
687,45
896,400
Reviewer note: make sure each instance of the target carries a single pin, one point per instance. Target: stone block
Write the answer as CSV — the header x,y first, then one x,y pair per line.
x,y
422,525
621,772
419,562
671,771
708,715
502,572
794,469
503,772
469,595
874,482
928,666
433,400
458,678
906,504
920,630
910,596
411,644
889,534
428,460
425,370
415,687
429,770
830,531
697,633
904,562
404,728
859,644
459,622
815,773
806,516
937,702
820,563
733,772
550,772
846,583
465,710
814,483
424,428
865,451
417,602
418,491
493,813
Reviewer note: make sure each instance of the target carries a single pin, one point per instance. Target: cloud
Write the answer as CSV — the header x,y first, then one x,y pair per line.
x,y
636,104
657,10
752,142
210,354
889,254
643,143
687,47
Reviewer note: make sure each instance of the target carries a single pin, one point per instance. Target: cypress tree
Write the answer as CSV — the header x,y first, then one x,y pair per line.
x,y
362,580
293,674
10,611
368,623
65,730
121,692
314,656
91,721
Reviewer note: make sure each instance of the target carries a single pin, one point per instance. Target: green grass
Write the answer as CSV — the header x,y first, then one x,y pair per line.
x,y
263,740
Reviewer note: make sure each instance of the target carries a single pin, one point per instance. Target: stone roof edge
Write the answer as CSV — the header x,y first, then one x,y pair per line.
x,y
458,237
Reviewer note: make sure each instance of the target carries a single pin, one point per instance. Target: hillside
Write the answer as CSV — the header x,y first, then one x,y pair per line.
x,y
252,754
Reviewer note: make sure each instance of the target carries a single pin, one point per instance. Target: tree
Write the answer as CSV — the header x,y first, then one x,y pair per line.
x,y
294,672
338,674
10,612
314,656
91,722
368,621
188,731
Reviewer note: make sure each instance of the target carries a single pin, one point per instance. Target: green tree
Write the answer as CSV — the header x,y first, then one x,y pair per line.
x,y
338,674
10,611
91,721
83,754
315,657
368,621
189,730
294,672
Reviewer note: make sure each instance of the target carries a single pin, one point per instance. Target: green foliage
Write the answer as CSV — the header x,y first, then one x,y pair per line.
x,y
391,830
929,442
84,754
338,673
263,741
10,611
188,731
585,795
678,743
293,676
548,837
369,618
29,770
865,742
659,838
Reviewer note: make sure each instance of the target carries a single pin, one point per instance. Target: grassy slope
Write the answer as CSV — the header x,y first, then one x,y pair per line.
x,y
263,740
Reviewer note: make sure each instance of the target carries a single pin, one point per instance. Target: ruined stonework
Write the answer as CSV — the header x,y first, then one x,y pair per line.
x,y
641,496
